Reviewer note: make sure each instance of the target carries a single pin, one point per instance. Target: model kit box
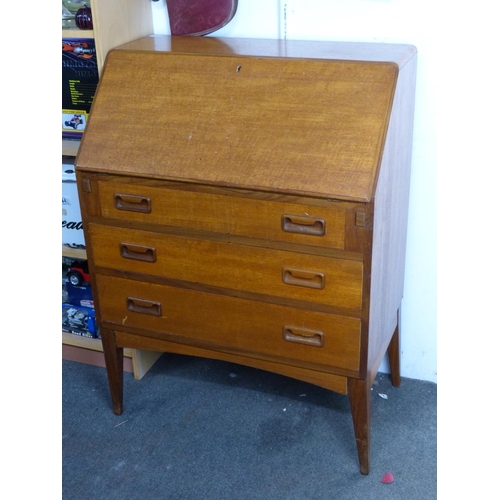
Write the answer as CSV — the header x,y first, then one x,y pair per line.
x,y
79,320
72,226
79,83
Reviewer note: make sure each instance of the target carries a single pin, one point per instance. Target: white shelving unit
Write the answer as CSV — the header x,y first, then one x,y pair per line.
x,y
115,22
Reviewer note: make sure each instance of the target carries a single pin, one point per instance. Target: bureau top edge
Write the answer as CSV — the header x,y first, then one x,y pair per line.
x,y
393,53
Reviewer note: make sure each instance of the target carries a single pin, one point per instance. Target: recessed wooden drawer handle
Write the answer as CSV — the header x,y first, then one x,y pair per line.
x,y
303,277
303,336
303,224
133,203
143,306
137,252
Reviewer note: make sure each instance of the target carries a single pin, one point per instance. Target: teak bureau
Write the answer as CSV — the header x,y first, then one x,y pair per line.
x,y
246,200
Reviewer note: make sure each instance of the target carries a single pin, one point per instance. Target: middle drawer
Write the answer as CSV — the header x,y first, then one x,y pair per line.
x,y
298,276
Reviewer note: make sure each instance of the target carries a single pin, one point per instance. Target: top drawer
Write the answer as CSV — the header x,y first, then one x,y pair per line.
x,y
269,220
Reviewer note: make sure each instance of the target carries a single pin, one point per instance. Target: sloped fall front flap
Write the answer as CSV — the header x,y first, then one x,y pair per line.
x,y
243,113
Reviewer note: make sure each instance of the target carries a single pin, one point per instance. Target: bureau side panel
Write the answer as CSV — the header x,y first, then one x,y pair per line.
x,y
390,220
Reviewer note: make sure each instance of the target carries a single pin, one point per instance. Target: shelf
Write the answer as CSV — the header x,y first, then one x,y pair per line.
x,y
70,147
87,343
115,22
79,341
77,34
74,253
140,361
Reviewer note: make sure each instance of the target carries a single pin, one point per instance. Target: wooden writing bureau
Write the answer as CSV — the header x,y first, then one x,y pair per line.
x,y
246,200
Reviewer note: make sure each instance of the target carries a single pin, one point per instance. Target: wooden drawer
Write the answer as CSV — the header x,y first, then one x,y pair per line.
x,y
312,278
238,325
269,220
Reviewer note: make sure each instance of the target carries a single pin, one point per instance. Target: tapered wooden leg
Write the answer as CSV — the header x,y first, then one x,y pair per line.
x,y
394,352
113,356
360,399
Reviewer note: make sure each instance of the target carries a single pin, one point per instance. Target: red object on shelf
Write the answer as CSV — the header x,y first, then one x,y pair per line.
x,y
199,18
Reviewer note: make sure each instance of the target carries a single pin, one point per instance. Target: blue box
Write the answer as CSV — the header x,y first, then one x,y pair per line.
x,y
80,295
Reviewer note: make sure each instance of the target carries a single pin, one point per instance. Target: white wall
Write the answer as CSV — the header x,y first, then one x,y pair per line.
x,y
388,21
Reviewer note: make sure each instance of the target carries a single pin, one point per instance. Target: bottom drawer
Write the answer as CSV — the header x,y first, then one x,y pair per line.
x,y
239,325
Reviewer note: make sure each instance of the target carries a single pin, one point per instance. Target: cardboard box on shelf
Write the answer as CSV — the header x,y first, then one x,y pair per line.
x,y
79,84
72,227
79,320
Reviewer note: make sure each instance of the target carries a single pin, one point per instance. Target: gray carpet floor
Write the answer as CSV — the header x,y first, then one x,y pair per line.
x,y
198,429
